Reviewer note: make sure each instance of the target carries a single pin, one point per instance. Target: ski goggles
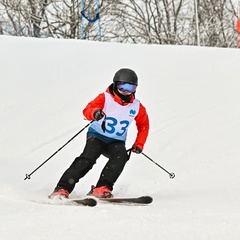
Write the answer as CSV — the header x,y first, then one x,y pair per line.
x,y
126,87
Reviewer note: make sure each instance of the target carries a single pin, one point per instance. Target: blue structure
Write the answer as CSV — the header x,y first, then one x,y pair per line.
x,y
96,18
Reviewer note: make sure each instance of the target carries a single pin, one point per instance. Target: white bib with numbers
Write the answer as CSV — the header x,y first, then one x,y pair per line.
x,y
118,118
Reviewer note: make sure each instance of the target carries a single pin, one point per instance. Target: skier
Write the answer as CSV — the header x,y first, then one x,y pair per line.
x,y
113,111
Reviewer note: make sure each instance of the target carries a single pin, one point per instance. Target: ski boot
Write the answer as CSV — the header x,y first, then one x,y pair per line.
x,y
100,192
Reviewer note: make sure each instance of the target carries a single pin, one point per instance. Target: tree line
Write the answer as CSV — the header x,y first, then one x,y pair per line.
x,y
176,22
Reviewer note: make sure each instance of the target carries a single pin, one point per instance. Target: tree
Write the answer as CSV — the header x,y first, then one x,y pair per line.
x,y
147,21
25,16
216,22
126,21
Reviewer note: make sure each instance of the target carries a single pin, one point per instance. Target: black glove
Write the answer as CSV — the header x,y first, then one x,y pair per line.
x,y
98,114
136,149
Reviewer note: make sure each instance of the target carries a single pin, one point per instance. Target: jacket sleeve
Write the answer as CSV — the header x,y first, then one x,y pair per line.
x,y
142,123
97,103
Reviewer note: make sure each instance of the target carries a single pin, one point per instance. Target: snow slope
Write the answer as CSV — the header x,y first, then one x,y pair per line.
x,y
193,101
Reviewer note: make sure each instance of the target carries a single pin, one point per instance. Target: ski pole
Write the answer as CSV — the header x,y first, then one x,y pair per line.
x,y
28,176
171,175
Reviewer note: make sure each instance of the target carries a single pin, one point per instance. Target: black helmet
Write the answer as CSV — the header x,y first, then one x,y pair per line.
x,y
126,75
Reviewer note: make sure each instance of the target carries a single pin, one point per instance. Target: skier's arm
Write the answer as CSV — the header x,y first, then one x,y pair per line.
x,y
142,123
97,103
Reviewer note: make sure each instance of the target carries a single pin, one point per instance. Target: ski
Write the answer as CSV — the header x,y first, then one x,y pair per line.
x,y
90,202
129,200
85,202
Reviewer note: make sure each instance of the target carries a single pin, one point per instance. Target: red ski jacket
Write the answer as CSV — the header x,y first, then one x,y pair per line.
x,y
142,121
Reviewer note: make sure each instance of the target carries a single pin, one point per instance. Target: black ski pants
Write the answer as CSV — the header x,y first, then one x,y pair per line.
x,y
114,151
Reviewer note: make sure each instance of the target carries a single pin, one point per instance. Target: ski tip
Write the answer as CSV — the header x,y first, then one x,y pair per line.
x,y
147,199
87,202
92,202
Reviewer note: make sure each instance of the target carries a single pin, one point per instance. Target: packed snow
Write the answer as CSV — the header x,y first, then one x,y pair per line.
x,y
192,96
